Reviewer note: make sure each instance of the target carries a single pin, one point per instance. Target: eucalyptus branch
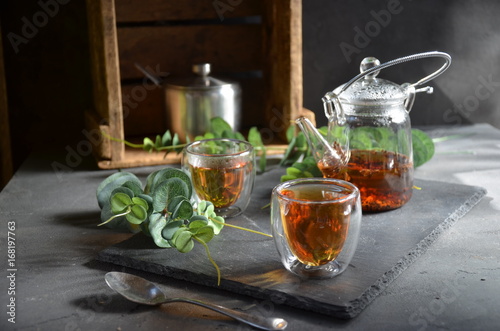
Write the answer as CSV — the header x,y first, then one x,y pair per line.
x,y
129,209
210,258
121,141
241,228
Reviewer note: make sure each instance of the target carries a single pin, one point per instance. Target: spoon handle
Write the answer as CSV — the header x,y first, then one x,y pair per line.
x,y
270,323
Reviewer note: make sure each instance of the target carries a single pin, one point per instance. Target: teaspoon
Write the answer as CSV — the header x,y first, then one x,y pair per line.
x,y
142,291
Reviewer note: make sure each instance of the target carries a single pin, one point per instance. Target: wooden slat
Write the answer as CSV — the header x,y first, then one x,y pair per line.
x,y
105,69
284,65
140,158
175,49
94,124
158,10
6,167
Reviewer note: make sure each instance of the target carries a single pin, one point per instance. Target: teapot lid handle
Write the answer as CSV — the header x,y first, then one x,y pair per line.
x,y
408,58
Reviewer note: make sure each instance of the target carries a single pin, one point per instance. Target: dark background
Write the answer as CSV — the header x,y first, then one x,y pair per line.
x,y
49,84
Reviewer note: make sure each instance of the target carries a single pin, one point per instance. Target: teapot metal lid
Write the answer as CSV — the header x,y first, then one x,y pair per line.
x,y
199,80
372,90
367,89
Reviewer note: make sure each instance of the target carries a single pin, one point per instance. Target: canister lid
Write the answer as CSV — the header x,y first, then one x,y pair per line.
x,y
200,79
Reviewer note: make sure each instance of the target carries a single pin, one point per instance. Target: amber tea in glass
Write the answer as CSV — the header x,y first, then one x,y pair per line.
x,y
316,225
384,178
222,172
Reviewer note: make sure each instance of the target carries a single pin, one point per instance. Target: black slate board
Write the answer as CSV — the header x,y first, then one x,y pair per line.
x,y
389,243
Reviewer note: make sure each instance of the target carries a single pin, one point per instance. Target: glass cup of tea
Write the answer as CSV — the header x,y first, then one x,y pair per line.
x,y
223,172
315,224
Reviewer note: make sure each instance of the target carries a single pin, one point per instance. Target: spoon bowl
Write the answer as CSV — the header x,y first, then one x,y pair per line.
x,y
142,291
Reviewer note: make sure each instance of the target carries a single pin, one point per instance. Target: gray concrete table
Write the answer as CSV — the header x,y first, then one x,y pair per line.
x,y
51,280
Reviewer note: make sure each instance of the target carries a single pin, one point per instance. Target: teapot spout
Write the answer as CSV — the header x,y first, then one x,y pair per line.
x,y
329,156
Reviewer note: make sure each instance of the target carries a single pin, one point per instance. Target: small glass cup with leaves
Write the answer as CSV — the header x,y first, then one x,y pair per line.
x,y
222,172
316,224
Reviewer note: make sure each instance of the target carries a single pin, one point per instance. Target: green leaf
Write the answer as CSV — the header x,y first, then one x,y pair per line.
x,y
150,182
158,142
423,147
254,137
290,133
167,173
170,228
141,202
291,171
217,226
166,139
228,134
174,202
198,223
156,224
218,125
120,202
124,190
182,240
134,187
205,233
167,190
176,141
137,215
184,210
118,223
148,144
115,180
239,136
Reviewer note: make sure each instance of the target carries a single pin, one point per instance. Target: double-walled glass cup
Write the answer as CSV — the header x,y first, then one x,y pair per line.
x,y
223,172
316,224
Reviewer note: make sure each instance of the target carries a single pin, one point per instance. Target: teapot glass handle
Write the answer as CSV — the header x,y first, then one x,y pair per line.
x,y
408,58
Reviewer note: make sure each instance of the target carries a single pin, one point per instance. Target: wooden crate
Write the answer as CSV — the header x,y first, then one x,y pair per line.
x,y
256,42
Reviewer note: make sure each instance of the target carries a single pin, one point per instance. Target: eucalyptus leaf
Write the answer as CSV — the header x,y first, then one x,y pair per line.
x,y
174,202
157,223
198,223
217,223
150,182
170,228
137,215
205,233
118,223
218,126
140,202
176,141
167,173
134,187
122,189
148,144
288,152
115,180
423,147
166,139
199,218
183,241
239,136
290,133
167,190
120,202
158,142
184,210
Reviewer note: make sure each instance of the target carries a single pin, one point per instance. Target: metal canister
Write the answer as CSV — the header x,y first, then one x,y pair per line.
x,y
192,101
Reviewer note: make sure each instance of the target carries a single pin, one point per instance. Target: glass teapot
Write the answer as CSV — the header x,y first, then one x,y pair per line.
x,y
369,139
